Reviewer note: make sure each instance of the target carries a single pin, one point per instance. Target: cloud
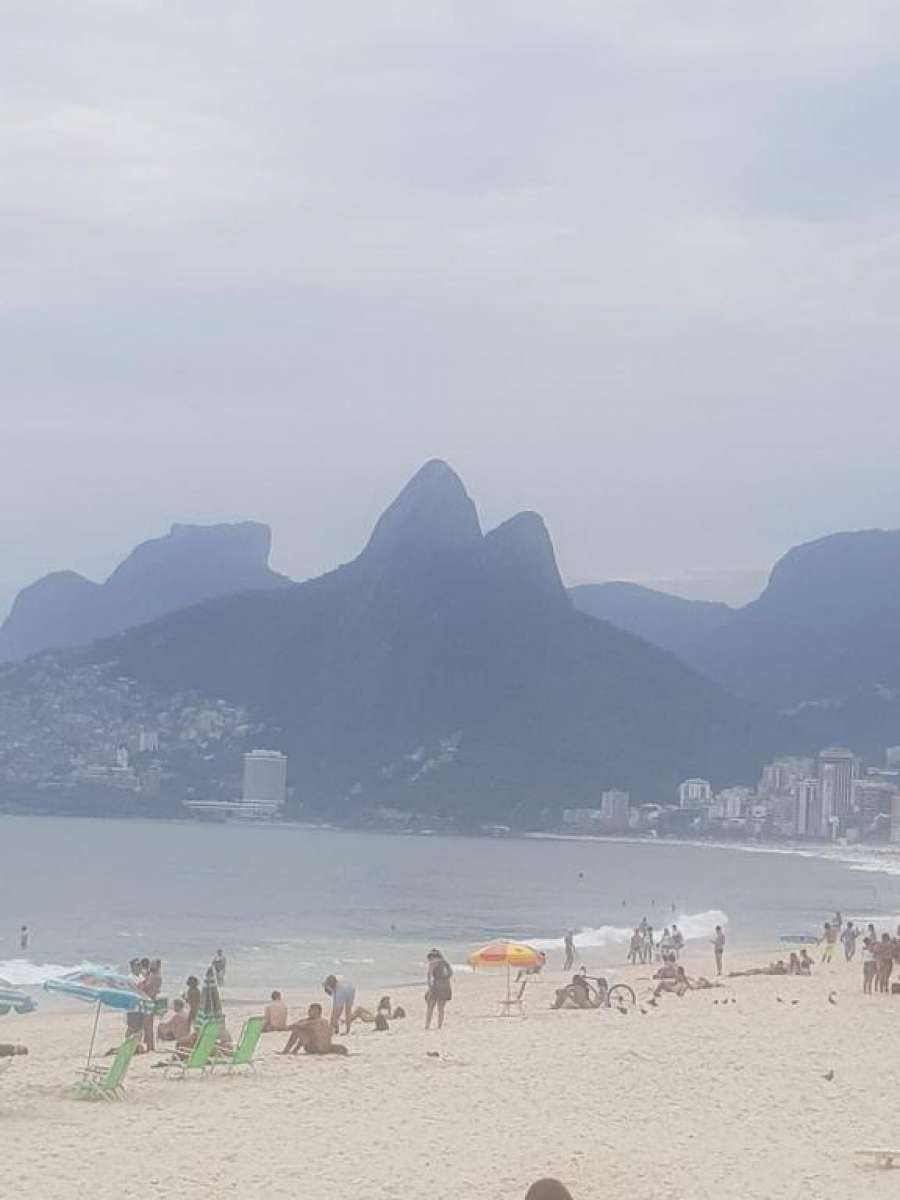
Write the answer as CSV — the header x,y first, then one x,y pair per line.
x,y
261,260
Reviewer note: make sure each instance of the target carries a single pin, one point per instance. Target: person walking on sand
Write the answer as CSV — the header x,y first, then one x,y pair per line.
x,y
829,938
439,992
849,935
869,965
718,944
569,944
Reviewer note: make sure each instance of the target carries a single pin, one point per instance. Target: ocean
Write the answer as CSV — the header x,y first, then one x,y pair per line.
x,y
289,905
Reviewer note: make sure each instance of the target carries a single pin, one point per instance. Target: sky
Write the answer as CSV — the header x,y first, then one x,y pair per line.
x,y
632,264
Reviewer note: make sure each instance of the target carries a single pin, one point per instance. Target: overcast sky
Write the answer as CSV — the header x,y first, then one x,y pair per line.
x,y
632,264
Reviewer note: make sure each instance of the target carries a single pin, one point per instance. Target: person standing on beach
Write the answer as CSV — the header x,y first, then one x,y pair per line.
x,y
151,986
569,944
343,999
193,997
23,939
869,965
848,936
439,992
677,940
719,948
218,965
829,937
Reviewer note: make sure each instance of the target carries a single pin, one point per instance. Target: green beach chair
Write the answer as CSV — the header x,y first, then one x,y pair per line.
x,y
106,1083
242,1055
199,1055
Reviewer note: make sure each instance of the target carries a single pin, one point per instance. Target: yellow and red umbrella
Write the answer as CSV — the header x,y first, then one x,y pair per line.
x,y
509,955
505,954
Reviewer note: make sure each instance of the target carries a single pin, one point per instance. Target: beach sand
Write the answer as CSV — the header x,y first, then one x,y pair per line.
x,y
694,1099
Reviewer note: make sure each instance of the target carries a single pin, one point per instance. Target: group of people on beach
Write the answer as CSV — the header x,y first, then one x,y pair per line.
x,y
643,948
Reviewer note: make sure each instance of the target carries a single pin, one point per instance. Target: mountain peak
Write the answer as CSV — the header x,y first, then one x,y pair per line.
x,y
521,547
434,511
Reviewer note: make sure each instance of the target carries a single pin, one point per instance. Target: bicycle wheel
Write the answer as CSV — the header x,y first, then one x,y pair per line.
x,y
620,994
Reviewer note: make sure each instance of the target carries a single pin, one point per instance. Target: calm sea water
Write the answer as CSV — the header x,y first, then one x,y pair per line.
x,y
288,905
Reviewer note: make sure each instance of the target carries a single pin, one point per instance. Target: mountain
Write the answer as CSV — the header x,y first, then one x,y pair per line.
x,y
443,671
191,563
822,639
667,621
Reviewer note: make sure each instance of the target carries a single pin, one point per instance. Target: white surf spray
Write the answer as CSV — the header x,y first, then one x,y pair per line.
x,y
22,973
693,926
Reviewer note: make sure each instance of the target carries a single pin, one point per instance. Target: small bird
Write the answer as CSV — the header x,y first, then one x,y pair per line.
x,y
779,999
433,1053
715,1002
734,999
829,1075
643,1012
831,997
795,1002
653,1001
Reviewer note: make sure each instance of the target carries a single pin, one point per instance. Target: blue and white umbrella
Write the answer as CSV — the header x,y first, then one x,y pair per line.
x,y
105,989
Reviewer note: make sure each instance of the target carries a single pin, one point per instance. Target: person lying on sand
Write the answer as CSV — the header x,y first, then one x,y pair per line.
x,y
275,1015
576,995
775,968
313,1033
176,1027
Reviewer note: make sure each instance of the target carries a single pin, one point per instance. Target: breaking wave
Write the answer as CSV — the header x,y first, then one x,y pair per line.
x,y
22,973
693,925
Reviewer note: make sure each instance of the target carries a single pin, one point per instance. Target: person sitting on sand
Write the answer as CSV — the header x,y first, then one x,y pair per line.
x,y
577,994
806,963
667,971
275,1015
678,983
176,1027
794,964
313,1034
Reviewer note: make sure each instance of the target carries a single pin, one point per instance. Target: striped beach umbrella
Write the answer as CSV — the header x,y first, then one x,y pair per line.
x,y
506,954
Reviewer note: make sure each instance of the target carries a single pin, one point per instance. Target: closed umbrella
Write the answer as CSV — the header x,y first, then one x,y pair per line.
x,y
506,954
105,989
211,1003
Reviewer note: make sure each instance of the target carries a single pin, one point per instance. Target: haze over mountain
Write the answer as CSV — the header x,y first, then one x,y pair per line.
x,y
667,621
444,670
189,564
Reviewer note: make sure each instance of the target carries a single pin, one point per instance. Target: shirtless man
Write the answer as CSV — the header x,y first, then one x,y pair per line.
x,y
176,1027
313,1033
275,1015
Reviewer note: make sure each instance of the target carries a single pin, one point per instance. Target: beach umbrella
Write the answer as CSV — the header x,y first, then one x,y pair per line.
x,y
211,1002
13,997
506,954
105,989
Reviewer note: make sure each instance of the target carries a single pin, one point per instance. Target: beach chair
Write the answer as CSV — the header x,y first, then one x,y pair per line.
x,y
107,1083
199,1055
516,1001
242,1054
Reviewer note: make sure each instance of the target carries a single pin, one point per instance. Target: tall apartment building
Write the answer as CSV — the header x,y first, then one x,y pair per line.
x,y
694,793
265,778
837,770
615,806
808,812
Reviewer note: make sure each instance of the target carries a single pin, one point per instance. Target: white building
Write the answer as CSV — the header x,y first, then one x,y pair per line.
x,y
148,741
615,806
694,793
732,803
265,778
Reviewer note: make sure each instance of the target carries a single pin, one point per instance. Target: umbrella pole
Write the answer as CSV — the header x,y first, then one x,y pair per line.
x,y
508,992
93,1034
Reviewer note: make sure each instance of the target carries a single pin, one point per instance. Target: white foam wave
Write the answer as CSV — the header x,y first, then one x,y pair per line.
x,y
692,925
23,973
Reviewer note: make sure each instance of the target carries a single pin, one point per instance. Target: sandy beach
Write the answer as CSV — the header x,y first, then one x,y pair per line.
x,y
694,1098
